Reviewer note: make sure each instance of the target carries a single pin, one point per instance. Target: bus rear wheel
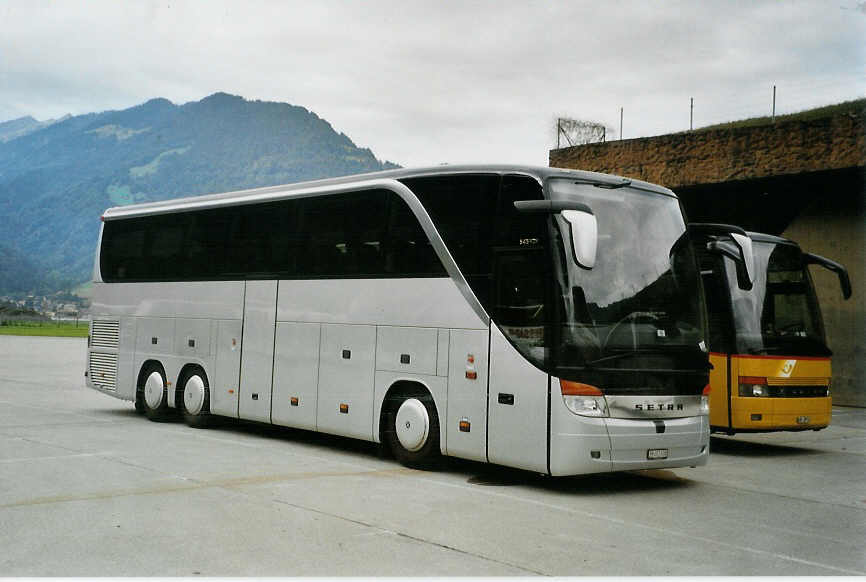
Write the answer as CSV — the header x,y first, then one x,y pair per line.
x,y
154,393
195,399
412,430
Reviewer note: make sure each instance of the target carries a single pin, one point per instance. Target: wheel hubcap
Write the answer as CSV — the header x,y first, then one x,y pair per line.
x,y
153,390
412,424
193,395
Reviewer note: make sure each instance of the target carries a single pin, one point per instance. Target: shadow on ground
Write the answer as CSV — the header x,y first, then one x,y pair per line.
x,y
475,473
731,446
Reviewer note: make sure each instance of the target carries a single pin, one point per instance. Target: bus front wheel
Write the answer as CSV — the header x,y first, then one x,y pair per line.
x,y
412,430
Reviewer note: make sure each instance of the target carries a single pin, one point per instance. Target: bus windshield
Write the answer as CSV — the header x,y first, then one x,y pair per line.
x,y
639,309
780,314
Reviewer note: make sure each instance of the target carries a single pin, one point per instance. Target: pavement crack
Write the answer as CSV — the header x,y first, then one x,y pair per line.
x,y
410,537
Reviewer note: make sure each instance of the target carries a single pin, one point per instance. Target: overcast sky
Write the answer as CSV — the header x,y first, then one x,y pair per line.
x,y
424,83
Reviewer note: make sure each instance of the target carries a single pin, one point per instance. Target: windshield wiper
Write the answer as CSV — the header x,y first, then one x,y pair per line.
x,y
622,355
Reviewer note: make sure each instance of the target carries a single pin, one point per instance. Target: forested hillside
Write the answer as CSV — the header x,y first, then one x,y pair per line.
x,y
56,181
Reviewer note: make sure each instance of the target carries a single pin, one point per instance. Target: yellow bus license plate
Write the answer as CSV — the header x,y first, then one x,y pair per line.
x,y
657,454
802,420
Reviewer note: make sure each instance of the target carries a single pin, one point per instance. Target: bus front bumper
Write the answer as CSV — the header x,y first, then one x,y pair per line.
x,y
684,442
596,445
768,413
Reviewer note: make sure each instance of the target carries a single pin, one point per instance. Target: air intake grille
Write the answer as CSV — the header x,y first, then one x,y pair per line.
x,y
103,370
798,391
105,334
798,381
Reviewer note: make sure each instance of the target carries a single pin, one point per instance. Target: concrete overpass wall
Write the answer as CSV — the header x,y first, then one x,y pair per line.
x,y
724,155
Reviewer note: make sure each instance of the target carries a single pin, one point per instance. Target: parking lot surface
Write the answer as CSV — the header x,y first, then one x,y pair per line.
x,y
89,488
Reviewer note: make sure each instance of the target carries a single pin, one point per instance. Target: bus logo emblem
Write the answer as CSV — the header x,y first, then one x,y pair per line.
x,y
787,368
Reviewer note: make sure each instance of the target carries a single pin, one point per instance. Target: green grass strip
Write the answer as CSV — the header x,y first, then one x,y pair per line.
x,y
48,329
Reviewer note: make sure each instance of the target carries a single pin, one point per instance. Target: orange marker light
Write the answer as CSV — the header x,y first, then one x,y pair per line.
x,y
570,388
464,425
471,375
707,390
344,408
231,391
470,358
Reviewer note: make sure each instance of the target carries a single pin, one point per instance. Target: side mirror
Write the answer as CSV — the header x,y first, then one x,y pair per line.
x,y
841,271
745,245
584,236
736,254
739,250
581,221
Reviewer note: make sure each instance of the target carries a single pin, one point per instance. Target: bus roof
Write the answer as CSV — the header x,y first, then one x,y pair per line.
x,y
267,193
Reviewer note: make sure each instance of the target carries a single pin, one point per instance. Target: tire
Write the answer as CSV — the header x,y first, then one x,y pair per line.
x,y
154,393
412,429
195,399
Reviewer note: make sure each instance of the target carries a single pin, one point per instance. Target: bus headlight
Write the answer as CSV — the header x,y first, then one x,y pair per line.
x,y
583,399
753,386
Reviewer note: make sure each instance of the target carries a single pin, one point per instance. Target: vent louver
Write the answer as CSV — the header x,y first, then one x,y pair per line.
x,y
105,335
103,370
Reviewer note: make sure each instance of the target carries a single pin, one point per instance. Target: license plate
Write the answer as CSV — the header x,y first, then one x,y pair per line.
x,y
657,454
802,420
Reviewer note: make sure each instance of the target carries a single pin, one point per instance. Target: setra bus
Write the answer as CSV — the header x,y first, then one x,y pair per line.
x,y
771,363
550,320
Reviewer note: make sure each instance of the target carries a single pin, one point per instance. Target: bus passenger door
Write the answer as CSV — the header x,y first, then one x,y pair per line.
x,y
257,350
518,391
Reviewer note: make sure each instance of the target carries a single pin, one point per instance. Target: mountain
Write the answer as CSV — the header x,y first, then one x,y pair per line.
x,y
15,128
20,274
56,181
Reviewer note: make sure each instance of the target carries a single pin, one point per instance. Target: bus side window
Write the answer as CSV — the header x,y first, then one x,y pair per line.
x,y
408,251
165,252
122,256
461,208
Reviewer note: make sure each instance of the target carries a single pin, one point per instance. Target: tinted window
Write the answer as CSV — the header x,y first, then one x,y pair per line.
x,y
361,234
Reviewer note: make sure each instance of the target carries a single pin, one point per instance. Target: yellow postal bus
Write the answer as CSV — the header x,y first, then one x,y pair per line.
x,y
771,363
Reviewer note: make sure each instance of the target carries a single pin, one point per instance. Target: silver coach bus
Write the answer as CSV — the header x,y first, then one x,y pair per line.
x,y
545,319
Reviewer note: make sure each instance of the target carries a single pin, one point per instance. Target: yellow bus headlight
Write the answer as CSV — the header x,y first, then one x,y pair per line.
x,y
753,386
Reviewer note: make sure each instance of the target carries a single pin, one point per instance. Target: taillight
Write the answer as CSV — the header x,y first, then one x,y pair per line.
x,y
583,399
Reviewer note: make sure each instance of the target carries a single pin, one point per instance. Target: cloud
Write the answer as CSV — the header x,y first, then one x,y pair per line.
x,y
448,81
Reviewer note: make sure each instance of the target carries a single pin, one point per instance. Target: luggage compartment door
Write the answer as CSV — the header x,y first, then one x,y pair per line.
x,y
257,350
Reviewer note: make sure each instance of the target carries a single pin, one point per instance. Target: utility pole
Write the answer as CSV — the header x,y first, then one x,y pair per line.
x,y
620,124
691,113
774,104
